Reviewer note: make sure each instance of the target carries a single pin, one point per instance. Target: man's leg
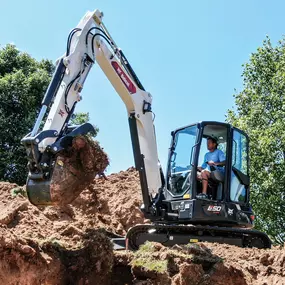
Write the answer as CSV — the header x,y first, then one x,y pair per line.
x,y
205,176
199,175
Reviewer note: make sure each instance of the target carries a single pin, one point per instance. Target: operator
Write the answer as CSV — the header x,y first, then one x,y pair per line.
x,y
214,160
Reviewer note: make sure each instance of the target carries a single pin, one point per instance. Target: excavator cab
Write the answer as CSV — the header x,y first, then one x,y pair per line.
x,y
228,183
227,201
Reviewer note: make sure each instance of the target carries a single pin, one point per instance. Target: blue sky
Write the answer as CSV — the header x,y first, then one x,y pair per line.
x,y
187,54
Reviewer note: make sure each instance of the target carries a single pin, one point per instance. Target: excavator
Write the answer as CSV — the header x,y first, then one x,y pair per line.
x,y
178,214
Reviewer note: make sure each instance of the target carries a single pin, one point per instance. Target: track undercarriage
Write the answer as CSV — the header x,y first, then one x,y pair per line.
x,y
170,235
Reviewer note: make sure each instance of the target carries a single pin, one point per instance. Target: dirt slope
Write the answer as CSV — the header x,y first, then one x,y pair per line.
x,y
203,264
66,245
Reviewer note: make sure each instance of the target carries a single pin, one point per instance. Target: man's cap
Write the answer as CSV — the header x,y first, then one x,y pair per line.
x,y
213,138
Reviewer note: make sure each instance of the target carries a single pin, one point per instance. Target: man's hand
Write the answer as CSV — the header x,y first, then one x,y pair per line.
x,y
211,163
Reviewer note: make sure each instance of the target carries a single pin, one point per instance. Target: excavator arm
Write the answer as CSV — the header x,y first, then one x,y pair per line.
x,y
90,43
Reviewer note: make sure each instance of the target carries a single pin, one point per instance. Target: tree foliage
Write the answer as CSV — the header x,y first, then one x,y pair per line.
x,y
260,111
23,82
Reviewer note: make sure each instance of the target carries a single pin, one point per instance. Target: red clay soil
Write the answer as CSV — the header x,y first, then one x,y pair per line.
x,y
75,168
67,245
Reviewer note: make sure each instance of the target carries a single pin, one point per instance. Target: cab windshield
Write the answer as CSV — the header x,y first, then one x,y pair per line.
x,y
180,164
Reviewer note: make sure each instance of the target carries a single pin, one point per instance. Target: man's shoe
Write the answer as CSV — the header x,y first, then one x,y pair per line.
x,y
202,196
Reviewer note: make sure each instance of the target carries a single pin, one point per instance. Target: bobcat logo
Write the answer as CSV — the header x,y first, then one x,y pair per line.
x,y
230,211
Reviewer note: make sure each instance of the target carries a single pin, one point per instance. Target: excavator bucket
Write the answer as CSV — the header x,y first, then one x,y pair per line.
x,y
74,168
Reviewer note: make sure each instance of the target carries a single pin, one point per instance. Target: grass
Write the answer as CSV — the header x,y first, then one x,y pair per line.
x,y
159,266
147,247
148,256
144,258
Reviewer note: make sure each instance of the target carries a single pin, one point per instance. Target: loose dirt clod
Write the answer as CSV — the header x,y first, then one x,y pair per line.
x,y
75,168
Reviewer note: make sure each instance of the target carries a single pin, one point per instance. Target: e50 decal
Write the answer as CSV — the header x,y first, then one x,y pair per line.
x,y
216,209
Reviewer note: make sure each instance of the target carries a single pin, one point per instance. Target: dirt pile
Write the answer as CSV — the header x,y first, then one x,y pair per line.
x,y
69,244
200,264
37,262
66,244
112,204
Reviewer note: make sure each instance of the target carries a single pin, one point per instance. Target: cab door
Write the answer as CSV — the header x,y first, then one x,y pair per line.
x,y
180,163
239,176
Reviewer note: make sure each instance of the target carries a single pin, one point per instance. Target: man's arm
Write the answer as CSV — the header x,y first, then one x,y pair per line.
x,y
222,159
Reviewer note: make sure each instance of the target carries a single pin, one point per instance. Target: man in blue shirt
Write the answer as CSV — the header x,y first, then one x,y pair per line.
x,y
214,160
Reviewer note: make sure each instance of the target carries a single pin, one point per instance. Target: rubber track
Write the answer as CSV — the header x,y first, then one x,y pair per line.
x,y
246,235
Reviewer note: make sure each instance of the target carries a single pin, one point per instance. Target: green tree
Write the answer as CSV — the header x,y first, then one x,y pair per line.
x,y
260,111
23,82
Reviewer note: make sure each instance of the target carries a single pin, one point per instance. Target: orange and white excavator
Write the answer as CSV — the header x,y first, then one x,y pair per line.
x,y
172,202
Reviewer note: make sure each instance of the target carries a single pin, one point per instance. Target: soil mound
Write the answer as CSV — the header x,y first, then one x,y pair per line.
x,y
66,244
62,245
200,264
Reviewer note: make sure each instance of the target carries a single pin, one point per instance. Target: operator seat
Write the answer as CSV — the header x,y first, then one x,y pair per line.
x,y
217,176
217,179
